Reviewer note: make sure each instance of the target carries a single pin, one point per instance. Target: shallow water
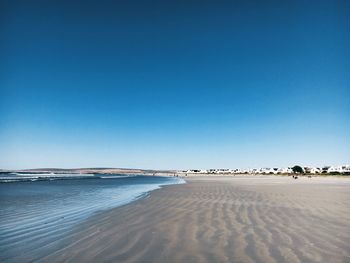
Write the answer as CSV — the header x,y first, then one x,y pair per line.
x,y
36,211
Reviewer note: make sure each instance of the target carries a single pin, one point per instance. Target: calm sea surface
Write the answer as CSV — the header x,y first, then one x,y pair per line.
x,y
37,210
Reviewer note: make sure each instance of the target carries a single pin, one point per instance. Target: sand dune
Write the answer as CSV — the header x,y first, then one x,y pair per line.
x,y
221,220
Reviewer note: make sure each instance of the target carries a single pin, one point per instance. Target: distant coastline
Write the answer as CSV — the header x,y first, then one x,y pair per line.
x,y
126,171
343,170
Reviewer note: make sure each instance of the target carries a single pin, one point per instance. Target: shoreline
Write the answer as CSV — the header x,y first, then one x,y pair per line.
x,y
29,231
227,219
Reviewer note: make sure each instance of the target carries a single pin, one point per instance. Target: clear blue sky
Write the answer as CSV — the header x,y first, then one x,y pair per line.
x,y
174,84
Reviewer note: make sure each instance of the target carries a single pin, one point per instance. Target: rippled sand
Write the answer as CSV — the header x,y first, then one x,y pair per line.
x,y
246,219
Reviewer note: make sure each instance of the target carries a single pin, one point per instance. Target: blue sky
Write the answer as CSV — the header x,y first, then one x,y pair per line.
x,y
174,84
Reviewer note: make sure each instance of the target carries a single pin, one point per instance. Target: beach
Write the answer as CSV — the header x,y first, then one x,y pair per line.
x,y
223,219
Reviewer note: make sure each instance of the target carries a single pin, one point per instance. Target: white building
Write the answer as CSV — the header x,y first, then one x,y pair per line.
x,y
315,170
335,169
285,170
268,170
346,169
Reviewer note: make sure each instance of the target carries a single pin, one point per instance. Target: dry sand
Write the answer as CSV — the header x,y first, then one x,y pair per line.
x,y
269,219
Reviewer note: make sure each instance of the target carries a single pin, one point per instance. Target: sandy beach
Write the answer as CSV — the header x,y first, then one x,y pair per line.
x,y
245,219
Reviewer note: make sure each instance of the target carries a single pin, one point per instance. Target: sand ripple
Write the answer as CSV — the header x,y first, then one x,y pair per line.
x,y
221,220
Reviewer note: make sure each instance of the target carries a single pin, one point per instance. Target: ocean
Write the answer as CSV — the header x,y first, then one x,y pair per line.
x,y
36,210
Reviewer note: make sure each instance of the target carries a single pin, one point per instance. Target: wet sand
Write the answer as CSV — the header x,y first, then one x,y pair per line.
x,y
246,219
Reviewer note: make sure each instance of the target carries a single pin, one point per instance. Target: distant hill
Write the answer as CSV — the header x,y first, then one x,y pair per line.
x,y
95,170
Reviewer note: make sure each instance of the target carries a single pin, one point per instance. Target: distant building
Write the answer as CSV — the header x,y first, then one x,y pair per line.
x,y
285,170
315,170
344,169
325,169
335,169
312,170
269,170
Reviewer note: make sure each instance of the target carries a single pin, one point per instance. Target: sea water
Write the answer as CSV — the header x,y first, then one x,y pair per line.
x,y
36,210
